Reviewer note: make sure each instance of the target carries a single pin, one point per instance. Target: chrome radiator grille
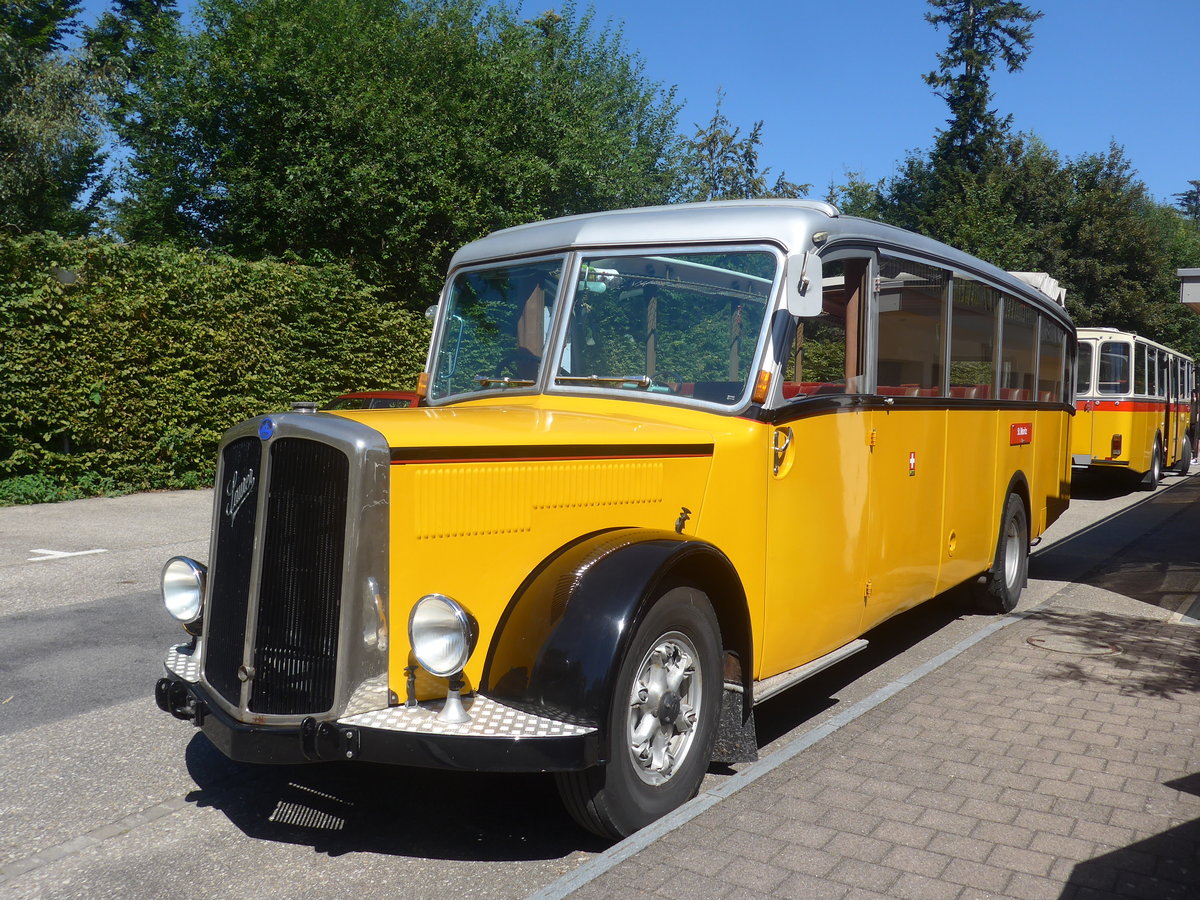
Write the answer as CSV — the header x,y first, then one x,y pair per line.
x,y
272,624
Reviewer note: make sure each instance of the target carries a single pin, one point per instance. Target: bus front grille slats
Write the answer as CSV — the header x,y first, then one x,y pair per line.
x,y
295,657
292,647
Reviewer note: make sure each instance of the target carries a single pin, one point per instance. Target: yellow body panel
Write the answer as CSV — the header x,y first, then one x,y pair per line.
x,y
1097,423
816,529
870,513
474,530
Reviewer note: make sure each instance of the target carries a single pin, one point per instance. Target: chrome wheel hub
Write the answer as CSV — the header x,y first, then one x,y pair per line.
x,y
1012,554
664,707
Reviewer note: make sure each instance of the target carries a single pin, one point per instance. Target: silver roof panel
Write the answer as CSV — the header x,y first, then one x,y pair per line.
x,y
787,223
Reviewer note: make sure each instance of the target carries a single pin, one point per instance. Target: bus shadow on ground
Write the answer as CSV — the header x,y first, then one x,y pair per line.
x,y
1149,552
340,808
887,641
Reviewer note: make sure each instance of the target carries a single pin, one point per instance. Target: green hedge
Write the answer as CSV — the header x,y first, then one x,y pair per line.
x,y
125,379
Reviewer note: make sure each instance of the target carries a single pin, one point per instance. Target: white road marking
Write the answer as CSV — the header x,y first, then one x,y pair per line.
x,y
59,554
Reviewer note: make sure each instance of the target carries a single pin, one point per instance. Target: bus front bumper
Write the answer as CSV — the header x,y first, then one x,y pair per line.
x,y
497,739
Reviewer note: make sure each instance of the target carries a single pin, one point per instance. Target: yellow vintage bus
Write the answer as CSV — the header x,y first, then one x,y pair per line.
x,y
668,462
1134,406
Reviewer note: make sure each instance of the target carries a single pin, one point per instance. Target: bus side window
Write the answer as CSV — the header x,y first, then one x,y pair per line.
x,y
826,354
912,305
1114,368
1019,351
1083,369
973,339
1051,363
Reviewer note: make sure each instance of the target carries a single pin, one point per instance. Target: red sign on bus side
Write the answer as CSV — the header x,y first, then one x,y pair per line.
x,y
1020,433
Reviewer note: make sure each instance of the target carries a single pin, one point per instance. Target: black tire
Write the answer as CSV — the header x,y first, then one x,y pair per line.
x,y
1151,479
1185,457
1002,584
635,788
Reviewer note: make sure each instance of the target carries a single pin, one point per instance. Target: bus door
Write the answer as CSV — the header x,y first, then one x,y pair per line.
x,y
817,485
1168,385
1081,425
907,437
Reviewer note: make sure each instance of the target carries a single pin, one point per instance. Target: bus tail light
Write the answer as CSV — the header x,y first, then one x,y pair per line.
x,y
1116,446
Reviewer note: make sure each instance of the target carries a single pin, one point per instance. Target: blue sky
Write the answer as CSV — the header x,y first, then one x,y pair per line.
x,y
838,84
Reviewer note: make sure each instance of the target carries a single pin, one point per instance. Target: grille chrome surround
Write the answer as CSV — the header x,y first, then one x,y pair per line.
x,y
299,557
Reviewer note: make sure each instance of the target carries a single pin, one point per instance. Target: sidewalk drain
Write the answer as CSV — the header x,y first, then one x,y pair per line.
x,y
1065,643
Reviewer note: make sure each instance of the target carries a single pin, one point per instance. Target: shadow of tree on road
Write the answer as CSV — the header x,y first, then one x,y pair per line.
x,y
1152,659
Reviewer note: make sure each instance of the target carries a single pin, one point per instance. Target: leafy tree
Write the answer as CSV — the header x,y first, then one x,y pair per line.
x,y
983,33
723,165
1189,202
382,132
51,164
859,197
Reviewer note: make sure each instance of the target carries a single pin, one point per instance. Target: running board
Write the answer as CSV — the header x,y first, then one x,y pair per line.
x,y
769,687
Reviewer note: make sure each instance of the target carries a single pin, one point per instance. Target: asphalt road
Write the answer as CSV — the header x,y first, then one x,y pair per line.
x,y
102,795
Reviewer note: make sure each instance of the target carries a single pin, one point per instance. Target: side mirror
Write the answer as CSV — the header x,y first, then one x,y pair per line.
x,y
802,284
431,312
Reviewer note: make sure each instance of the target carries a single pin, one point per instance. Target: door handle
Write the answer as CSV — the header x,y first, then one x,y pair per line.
x,y
780,443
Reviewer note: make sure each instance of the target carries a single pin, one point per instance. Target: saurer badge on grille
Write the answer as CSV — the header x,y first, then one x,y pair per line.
x,y
236,491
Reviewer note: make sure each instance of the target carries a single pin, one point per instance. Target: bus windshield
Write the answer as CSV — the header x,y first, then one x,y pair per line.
x,y
671,323
497,327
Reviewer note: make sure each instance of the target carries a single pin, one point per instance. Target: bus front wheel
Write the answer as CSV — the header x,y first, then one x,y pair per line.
x,y
662,723
1001,585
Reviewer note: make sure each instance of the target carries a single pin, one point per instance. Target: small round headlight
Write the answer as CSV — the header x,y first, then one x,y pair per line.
x,y
442,634
183,588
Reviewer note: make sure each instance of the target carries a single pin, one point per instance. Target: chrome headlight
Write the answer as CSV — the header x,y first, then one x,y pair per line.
x,y
442,634
183,583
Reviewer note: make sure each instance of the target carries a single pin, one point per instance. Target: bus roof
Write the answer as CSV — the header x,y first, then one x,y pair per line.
x,y
1104,332
789,224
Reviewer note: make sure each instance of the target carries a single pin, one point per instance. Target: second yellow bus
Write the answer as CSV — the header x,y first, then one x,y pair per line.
x,y
1133,406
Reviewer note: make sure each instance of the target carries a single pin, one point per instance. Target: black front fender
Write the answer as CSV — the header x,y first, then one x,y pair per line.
x,y
559,646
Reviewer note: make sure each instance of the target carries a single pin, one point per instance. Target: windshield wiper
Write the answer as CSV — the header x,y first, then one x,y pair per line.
x,y
640,380
503,380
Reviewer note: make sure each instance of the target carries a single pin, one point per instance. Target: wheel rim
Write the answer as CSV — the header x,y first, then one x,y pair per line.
x,y
1156,465
1012,553
664,708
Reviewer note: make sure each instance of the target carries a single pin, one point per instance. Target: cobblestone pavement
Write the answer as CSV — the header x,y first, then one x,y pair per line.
x,y
1058,758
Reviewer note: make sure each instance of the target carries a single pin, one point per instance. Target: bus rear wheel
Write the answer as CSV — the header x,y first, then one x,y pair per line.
x,y
1151,479
1185,458
662,722
1001,585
